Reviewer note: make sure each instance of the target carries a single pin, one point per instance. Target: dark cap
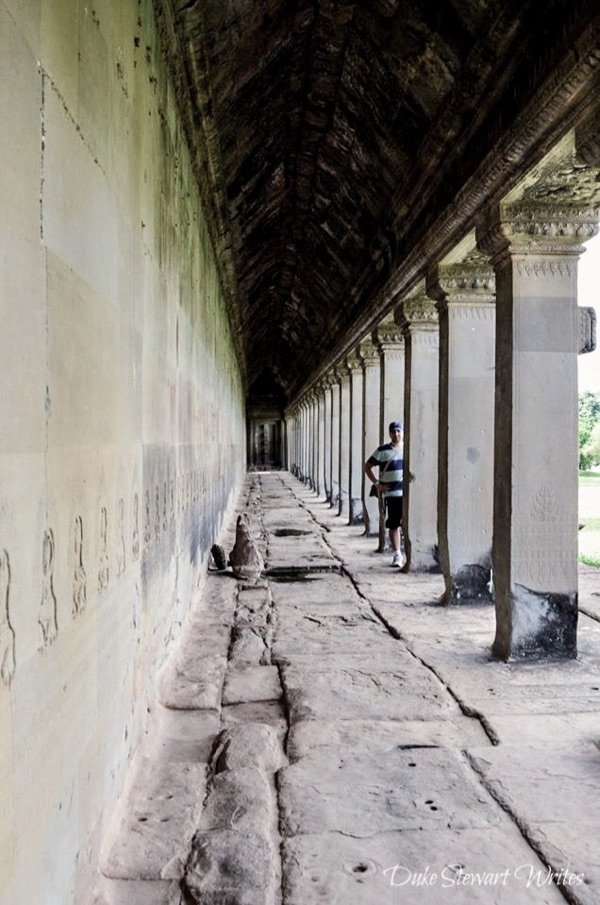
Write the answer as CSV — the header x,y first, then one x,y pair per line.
x,y
395,426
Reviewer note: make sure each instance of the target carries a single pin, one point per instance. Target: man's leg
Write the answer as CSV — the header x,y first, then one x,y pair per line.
x,y
395,539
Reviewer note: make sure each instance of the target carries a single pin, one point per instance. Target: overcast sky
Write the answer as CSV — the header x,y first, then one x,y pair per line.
x,y
588,279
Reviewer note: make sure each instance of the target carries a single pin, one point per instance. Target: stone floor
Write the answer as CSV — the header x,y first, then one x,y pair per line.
x,y
339,737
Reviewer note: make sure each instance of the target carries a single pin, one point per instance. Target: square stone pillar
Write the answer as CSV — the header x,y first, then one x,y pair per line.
x,y
321,439
344,460
313,441
465,294
419,320
355,515
534,247
335,441
327,383
371,427
391,345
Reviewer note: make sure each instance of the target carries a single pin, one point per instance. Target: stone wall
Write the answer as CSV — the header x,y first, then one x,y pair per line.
x,y
123,432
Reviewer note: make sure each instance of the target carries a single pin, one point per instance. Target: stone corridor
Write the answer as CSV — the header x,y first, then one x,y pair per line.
x,y
331,735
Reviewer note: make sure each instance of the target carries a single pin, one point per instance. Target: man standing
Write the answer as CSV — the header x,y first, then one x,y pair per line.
x,y
389,459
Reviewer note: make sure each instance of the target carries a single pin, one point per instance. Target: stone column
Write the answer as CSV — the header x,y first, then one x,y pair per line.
x,y
391,345
465,294
313,440
535,247
371,422
419,320
344,460
327,382
355,473
305,436
335,441
321,391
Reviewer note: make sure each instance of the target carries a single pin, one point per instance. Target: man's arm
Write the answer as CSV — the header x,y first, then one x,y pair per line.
x,y
368,470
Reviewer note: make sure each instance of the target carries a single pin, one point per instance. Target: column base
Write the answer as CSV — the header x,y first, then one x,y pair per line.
x,y
356,515
468,585
544,627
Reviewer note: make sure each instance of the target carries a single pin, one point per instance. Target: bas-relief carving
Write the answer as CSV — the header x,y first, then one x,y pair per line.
x,y
121,556
47,616
147,520
172,502
157,512
103,570
135,541
79,576
543,267
8,662
165,523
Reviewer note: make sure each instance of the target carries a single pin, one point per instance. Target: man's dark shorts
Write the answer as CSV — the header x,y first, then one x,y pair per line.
x,y
393,506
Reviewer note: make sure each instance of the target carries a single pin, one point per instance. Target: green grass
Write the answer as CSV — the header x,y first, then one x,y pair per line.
x,y
589,477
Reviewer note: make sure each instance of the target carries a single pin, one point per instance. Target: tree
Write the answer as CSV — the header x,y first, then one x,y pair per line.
x,y
589,417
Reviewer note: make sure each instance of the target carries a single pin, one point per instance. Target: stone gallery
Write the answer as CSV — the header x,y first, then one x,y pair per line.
x,y
239,239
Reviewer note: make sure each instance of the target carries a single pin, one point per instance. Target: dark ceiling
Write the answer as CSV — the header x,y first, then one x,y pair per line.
x,y
333,136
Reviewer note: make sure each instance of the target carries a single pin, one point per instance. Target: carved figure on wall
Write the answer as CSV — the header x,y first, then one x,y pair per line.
x,y
135,542
47,617
103,571
79,577
8,662
165,523
172,501
147,520
121,557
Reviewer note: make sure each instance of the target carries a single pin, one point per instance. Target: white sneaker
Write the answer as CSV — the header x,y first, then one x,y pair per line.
x,y
397,560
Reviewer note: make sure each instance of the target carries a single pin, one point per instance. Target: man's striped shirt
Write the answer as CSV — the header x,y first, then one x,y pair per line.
x,y
391,468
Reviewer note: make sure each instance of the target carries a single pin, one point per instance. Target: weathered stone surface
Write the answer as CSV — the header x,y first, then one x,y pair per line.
x,y
246,560
375,737
182,735
138,892
249,744
358,690
155,822
269,712
299,636
240,799
250,646
359,795
188,683
231,868
460,867
252,683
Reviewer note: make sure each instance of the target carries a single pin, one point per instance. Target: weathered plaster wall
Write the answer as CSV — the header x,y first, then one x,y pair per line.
x,y
122,417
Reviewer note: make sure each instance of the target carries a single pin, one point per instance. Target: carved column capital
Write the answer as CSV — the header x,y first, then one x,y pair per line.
x,y
354,360
369,353
387,333
536,227
469,283
418,312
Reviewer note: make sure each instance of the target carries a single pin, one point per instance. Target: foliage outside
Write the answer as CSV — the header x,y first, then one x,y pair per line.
x,y
589,430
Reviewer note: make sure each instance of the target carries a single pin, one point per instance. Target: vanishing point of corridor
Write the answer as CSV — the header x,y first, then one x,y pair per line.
x,y
329,734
